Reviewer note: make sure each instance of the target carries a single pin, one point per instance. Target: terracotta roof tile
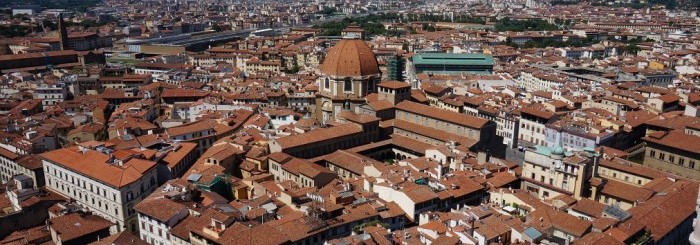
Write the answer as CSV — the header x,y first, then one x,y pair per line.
x,y
75,225
95,165
433,133
589,207
675,139
31,162
393,84
175,157
350,161
122,238
667,211
594,238
162,209
545,218
444,115
626,192
318,135
350,58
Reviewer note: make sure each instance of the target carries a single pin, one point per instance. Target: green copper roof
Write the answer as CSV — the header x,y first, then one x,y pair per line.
x,y
548,151
543,150
452,59
457,72
558,151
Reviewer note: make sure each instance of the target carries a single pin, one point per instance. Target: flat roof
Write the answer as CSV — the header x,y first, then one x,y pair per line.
x,y
457,72
452,59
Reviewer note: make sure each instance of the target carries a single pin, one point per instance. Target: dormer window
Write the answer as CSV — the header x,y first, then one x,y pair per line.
x,y
218,225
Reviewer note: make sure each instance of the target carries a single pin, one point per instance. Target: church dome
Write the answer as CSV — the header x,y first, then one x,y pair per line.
x,y
350,58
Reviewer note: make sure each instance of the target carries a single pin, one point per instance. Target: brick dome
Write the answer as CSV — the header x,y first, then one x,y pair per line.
x,y
350,58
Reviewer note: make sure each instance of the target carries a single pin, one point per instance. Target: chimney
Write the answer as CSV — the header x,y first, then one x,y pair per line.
x,y
596,160
483,157
63,32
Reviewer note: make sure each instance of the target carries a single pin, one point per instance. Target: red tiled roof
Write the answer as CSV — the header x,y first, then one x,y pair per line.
x,y
350,161
350,58
544,218
8,154
318,135
443,115
626,192
121,238
162,209
537,111
75,225
433,133
666,212
595,238
589,207
675,139
95,165
177,92
392,84
630,167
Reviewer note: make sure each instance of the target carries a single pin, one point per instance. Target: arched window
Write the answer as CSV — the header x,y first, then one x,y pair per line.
x,y
347,85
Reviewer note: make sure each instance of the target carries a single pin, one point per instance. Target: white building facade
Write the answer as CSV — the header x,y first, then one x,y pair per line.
x,y
98,195
51,94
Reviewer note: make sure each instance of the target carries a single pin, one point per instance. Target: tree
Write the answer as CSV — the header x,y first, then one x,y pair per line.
x,y
50,24
216,28
530,44
14,31
394,33
558,21
509,42
327,11
631,49
87,23
506,24
295,68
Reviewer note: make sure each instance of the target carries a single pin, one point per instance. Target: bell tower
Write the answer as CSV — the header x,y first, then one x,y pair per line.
x,y
63,32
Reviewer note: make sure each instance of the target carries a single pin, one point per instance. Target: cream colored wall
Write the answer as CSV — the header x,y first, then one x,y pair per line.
x,y
675,168
592,104
536,164
531,132
624,177
81,137
507,198
557,179
608,200
437,124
